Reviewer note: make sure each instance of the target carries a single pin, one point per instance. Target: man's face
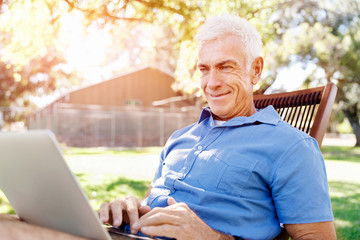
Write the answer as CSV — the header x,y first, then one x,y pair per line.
x,y
225,78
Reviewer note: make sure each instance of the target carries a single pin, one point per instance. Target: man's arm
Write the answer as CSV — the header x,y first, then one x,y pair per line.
x,y
12,228
319,231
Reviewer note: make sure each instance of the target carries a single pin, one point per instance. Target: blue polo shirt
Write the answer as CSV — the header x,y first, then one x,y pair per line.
x,y
246,176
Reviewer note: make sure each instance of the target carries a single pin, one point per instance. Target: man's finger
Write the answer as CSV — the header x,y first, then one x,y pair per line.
x,y
159,216
171,201
117,208
143,210
104,212
165,230
132,209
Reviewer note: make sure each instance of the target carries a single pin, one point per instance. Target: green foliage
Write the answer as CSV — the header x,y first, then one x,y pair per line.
x,y
327,35
171,47
29,62
180,21
344,127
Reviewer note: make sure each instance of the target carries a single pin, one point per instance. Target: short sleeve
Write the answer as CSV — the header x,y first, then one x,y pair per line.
x,y
300,189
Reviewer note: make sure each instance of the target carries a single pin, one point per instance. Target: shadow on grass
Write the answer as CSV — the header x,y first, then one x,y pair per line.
x,y
341,153
101,189
345,199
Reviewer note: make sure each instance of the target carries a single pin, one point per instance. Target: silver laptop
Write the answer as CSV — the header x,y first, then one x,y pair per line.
x,y
41,188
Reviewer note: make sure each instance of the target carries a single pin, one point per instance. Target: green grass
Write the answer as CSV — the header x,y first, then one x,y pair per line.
x,y
345,199
341,153
5,206
99,189
110,151
105,188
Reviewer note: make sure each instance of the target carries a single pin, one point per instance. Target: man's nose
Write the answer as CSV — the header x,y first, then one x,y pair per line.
x,y
214,79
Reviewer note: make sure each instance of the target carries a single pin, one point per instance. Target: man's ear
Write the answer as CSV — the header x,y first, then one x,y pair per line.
x,y
256,70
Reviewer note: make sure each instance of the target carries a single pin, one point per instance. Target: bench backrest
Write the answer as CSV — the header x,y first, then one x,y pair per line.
x,y
308,110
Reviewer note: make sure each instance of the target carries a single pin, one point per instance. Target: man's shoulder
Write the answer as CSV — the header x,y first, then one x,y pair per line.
x,y
286,135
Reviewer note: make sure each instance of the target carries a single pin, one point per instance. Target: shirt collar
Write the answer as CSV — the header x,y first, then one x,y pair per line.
x,y
206,113
266,115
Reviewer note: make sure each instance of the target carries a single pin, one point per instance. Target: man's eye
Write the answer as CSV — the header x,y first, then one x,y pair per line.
x,y
203,70
226,68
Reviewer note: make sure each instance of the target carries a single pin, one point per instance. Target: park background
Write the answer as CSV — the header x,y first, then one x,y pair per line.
x,y
49,48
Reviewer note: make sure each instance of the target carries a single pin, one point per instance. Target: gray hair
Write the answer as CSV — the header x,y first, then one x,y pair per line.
x,y
220,26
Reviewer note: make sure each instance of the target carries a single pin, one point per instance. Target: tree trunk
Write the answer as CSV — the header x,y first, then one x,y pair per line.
x,y
351,114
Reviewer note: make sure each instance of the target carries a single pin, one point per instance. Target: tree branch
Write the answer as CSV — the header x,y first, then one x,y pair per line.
x,y
104,13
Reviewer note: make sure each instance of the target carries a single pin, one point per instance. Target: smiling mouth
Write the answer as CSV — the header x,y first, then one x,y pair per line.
x,y
218,95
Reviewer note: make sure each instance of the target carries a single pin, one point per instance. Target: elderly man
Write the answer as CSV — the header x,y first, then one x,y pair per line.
x,y
237,173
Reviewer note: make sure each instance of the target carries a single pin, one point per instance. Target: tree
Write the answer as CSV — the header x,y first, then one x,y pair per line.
x,y
327,35
175,22
29,63
180,21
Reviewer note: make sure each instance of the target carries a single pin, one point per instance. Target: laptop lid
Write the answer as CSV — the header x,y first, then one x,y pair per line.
x,y
41,188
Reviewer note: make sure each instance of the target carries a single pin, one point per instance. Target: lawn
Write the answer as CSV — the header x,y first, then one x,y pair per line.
x,y
341,153
107,151
345,197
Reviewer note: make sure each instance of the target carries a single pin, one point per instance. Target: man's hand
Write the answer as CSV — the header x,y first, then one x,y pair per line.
x,y
126,210
176,221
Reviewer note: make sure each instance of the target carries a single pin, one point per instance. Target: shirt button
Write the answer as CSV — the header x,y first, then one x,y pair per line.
x,y
199,147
